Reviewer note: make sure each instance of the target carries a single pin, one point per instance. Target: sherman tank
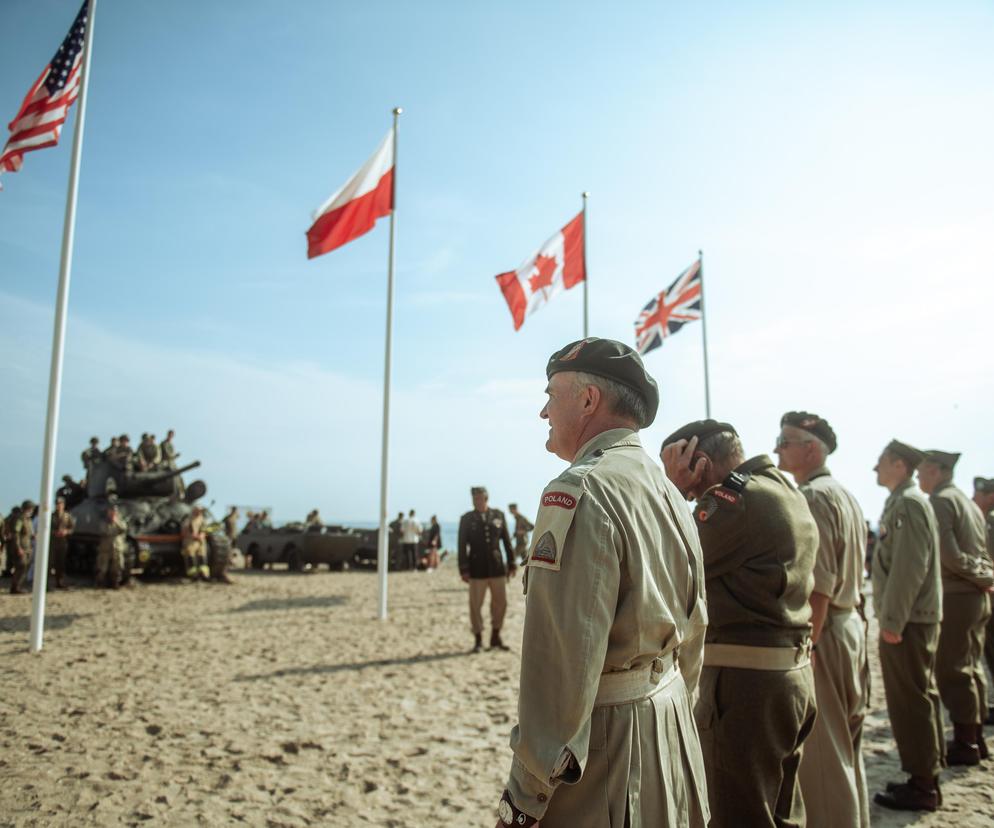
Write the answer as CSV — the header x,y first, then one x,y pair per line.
x,y
154,505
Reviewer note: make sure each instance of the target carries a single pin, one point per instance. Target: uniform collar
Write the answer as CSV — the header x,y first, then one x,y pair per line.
x,y
903,487
612,438
944,485
755,464
822,472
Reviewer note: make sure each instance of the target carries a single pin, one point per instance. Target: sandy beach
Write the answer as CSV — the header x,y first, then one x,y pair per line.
x,y
280,700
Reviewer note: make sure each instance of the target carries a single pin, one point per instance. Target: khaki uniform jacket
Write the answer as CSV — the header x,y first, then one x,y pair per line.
x,y
190,529
906,579
231,527
614,580
62,525
838,568
115,535
91,457
759,554
966,565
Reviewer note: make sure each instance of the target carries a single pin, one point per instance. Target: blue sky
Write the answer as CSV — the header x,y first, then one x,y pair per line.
x,y
833,162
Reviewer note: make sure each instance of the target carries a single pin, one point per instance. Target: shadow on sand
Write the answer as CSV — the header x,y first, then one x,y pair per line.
x,y
300,602
22,623
328,669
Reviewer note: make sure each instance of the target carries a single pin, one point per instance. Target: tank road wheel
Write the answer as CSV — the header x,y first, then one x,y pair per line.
x,y
255,557
294,562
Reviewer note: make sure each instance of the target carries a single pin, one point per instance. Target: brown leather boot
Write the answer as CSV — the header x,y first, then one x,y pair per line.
x,y
963,749
495,642
479,643
919,793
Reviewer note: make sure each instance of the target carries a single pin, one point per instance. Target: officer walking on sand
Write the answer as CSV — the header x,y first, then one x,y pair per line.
x,y
614,617
481,565
757,696
907,600
983,496
967,577
832,773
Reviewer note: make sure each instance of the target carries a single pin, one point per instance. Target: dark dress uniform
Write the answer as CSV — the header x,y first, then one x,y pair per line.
x,y
757,696
480,537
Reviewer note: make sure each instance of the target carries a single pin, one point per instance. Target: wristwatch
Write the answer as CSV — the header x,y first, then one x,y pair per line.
x,y
509,815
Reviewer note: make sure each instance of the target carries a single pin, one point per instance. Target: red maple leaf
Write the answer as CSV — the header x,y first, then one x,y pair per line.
x,y
541,277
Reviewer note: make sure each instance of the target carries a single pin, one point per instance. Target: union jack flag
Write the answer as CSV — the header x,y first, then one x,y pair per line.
x,y
670,310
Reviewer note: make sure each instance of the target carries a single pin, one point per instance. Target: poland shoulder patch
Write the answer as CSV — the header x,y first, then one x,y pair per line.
x,y
555,516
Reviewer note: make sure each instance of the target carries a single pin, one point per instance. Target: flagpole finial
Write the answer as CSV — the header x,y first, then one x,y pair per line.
x,y
397,110
700,254
586,193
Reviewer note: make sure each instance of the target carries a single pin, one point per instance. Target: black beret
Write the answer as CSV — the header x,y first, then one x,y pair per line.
x,y
813,424
909,454
699,429
478,490
943,458
610,359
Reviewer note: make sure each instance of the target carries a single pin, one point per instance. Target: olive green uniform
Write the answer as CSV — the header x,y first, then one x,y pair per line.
x,y
757,695
90,458
989,638
522,527
611,651
62,527
110,552
832,773
966,575
19,536
907,600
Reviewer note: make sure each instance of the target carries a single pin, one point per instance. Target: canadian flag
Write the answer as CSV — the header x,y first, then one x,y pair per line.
x,y
557,266
355,207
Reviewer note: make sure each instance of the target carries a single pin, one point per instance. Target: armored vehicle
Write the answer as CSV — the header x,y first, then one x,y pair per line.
x,y
300,546
154,504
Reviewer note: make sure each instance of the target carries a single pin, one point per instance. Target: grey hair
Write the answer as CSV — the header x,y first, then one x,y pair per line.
x,y
623,400
722,447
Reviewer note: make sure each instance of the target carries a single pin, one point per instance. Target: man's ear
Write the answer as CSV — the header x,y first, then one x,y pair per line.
x,y
592,397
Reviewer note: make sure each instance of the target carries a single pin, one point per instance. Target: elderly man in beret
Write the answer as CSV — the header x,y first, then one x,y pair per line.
x,y
967,579
482,530
983,496
614,618
832,774
907,600
757,694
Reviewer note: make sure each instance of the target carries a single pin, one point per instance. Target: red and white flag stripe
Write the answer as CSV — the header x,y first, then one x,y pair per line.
x,y
355,207
556,266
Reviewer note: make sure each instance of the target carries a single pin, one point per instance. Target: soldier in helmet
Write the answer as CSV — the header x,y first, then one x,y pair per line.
x,y
967,578
111,450
62,527
149,454
92,455
110,552
20,536
194,549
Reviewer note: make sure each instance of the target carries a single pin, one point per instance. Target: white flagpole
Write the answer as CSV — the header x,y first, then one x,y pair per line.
x,y
58,349
586,273
382,557
704,335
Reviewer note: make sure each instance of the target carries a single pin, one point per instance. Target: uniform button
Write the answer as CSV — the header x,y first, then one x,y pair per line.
x,y
542,797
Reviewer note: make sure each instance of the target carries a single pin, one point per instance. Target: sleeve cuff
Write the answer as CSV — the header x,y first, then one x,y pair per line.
x,y
528,792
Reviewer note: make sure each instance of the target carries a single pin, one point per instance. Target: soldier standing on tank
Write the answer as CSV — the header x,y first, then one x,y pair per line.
x,y
832,772
522,526
63,525
20,537
757,702
123,457
907,600
110,552
967,579
91,456
111,450
168,452
481,565
194,540
149,454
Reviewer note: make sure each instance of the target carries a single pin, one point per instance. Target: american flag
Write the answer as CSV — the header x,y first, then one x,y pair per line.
x,y
40,119
670,310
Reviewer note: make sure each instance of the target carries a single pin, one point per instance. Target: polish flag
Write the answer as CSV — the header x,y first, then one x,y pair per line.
x,y
354,209
557,266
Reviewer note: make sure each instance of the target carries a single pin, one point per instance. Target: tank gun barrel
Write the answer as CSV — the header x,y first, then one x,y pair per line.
x,y
166,475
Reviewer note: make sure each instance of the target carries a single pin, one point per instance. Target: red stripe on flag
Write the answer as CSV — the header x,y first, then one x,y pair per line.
x,y
351,220
574,267
510,286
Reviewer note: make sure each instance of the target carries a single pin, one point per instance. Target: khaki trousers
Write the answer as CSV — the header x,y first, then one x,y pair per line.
x,y
832,774
498,602
110,562
752,725
913,699
959,668
989,645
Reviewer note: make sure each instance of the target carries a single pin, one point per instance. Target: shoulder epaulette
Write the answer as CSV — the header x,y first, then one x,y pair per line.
x,y
736,481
